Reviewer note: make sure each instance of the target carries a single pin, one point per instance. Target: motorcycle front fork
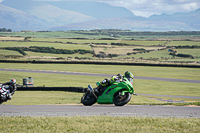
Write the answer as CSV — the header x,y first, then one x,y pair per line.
x,y
92,91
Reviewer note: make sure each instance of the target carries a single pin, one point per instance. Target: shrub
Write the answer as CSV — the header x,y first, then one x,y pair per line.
x,y
120,44
184,55
19,49
48,50
139,49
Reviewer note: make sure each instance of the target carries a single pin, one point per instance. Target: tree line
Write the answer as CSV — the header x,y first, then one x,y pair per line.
x,y
175,53
51,50
140,33
5,30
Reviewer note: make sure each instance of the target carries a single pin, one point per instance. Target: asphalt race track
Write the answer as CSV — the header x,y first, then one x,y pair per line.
x,y
99,75
100,110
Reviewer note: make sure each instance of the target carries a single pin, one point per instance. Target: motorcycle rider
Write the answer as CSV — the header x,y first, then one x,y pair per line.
x,y
128,75
118,78
12,87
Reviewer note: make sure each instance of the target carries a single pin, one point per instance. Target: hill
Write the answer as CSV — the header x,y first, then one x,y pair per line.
x,y
98,10
124,23
18,20
190,18
86,15
51,15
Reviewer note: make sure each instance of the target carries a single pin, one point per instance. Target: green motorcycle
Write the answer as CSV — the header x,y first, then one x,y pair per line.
x,y
118,93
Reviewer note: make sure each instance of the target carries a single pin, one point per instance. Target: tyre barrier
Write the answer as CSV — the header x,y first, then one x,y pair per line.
x,y
70,89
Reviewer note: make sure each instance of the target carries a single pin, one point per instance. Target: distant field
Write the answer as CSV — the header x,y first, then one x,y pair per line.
x,y
77,41
147,47
194,52
45,44
143,42
112,34
157,54
47,56
11,38
8,52
183,43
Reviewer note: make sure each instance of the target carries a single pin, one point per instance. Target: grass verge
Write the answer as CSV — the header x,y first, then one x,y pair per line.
x,y
96,124
61,97
147,71
44,97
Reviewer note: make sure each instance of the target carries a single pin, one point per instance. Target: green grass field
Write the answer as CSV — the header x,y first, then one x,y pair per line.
x,y
98,124
8,52
113,34
64,40
75,41
62,98
147,71
140,86
144,43
45,44
183,43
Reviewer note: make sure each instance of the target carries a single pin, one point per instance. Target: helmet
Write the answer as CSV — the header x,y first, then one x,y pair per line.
x,y
128,75
13,81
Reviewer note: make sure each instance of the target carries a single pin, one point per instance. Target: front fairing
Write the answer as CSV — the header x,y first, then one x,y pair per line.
x,y
107,96
129,84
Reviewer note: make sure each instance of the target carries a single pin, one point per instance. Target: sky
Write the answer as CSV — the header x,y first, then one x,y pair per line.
x,y
146,8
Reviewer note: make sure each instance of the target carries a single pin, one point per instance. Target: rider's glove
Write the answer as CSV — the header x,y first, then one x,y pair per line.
x,y
104,81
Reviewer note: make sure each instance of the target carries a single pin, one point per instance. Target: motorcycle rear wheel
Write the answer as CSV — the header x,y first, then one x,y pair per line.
x,y
88,99
120,100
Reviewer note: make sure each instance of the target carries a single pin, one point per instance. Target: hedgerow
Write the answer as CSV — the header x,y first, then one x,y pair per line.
x,y
51,50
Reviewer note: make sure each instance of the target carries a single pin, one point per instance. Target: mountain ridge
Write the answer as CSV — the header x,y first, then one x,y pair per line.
x,y
123,23
82,15
15,19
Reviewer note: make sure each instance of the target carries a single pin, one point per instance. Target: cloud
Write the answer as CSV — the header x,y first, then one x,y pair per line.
x,y
147,8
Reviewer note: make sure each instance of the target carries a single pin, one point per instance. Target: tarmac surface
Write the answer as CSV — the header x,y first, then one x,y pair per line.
x,y
99,110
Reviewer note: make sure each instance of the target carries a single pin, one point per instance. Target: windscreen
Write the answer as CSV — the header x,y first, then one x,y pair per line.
x,y
131,80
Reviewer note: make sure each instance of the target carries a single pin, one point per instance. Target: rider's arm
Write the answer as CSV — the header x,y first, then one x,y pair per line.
x,y
7,83
14,88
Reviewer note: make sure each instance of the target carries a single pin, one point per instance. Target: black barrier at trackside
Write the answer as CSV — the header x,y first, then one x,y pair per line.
x,y
70,89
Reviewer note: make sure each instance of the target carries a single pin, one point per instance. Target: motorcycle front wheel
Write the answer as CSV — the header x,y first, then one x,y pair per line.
x,y
88,99
120,100
1,101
